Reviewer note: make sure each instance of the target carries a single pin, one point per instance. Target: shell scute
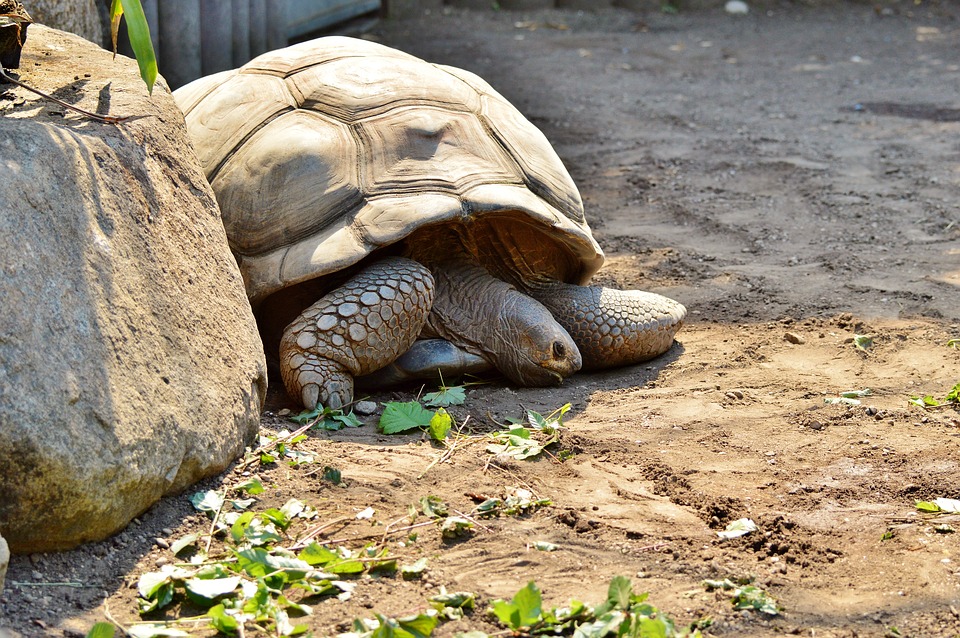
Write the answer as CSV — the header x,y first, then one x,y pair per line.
x,y
421,149
354,88
233,111
298,189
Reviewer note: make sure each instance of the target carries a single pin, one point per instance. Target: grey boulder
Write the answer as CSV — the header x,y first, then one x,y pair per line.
x,y
130,363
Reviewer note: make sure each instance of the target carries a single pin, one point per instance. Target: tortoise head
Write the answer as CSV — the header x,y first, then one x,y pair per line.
x,y
531,348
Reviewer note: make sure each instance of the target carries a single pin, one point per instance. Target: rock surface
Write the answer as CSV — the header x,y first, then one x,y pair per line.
x,y
130,364
81,17
4,561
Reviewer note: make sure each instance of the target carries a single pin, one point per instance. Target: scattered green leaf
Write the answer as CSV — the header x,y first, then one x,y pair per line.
x,y
332,474
403,416
414,570
102,630
863,342
752,597
445,397
251,486
545,546
440,424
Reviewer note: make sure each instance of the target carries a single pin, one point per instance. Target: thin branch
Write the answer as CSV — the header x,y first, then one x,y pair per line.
x,y
107,119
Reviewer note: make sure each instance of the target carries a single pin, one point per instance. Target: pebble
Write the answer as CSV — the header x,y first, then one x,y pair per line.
x,y
736,7
815,425
734,394
166,531
793,337
364,408
161,543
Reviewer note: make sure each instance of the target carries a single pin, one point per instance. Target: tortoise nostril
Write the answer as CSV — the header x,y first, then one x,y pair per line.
x,y
559,350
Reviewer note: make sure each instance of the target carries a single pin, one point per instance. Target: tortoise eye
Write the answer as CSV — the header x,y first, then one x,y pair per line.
x,y
559,350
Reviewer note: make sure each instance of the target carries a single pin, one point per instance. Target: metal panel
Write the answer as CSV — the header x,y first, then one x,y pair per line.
x,y
307,16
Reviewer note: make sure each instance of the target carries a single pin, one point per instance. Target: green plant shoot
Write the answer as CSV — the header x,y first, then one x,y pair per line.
x,y
139,34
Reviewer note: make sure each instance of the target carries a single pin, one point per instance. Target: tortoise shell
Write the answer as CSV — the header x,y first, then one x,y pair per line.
x,y
326,151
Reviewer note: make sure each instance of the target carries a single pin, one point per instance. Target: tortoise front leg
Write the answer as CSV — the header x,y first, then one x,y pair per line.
x,y
353,330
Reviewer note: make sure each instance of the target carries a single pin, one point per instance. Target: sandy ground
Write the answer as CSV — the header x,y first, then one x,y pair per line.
x,y
792,176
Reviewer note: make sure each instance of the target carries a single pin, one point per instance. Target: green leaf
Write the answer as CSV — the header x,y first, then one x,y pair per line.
x,y
862,342
182,543
545,546
856,394
207,590
953,395
445,397
606,624
527,605
619,593
414,570
251,486
433,507
454,526
332,474
400,417
222,621
210,501
317,554
139,34
927,506
440,424
102,630
953,343
752,597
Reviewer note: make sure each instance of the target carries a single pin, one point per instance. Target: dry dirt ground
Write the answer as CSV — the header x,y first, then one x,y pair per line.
x,y
792,176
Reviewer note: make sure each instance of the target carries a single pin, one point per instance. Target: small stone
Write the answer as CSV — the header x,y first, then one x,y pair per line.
x,y
734,394
815,425
871,411
365,408
161,543
163,560
793,337
736,7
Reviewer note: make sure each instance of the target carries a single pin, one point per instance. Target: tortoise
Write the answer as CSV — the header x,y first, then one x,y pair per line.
x,y
401,218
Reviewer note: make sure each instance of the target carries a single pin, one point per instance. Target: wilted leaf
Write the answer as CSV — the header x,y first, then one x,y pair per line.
x,y
739,527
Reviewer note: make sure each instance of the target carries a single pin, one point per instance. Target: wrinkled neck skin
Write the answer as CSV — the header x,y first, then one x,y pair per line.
x,y
490,317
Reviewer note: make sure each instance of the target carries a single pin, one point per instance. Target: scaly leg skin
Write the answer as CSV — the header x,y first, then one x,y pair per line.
x,y
613,327
353,330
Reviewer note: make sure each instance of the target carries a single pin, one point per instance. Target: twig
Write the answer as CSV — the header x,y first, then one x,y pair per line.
x,y
474,521
448,453
213,523
654,547
319,529
394,531
107,119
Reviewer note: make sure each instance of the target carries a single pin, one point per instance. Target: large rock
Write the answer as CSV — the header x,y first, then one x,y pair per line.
x,y
82,17
4,561
130,364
